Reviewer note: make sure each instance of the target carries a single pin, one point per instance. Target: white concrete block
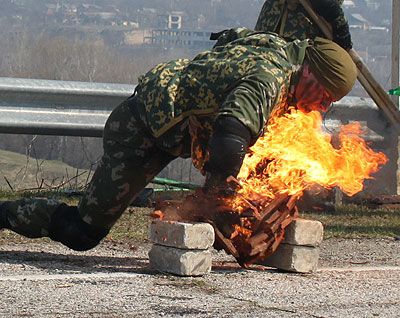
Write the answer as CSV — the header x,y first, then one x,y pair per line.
x,y
304,232
196,236
293,258
180,262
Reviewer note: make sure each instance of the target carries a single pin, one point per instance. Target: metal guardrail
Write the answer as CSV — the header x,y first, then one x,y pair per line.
x,y
44,107
65,108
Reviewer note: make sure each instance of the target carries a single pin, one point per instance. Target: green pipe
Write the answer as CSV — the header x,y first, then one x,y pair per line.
x,y
170,190
395,91
175,183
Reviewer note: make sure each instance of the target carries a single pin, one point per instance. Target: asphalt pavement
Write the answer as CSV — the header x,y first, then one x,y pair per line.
x,y
356,278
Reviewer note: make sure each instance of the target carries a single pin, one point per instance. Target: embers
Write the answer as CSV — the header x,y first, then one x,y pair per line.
x,y
250,235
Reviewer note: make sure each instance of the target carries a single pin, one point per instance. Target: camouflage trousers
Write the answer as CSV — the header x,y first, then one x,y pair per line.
x,y
132,157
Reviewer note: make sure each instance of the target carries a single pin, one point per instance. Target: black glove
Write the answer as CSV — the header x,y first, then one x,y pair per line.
x,y
227,148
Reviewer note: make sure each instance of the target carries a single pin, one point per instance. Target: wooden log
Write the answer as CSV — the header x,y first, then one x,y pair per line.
x,y
249,213
265,213
286,222
256,213
295,212
325,27
267,228
272,219
276,243
382,102
385,199
266,242
373,88
274,204
225,243
233,180
277,223
266,248
259,249
262,247
292,201
257,239
260,200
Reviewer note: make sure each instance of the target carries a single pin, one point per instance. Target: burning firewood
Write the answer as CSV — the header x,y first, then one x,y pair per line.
x,y
249,236
251,214
157,214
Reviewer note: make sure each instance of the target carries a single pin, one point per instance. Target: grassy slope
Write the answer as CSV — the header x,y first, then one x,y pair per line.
x,y
24,172
347,221
351,221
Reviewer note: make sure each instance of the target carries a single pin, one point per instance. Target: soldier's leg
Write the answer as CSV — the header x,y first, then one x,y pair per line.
x,y
28,217
131,159
35,218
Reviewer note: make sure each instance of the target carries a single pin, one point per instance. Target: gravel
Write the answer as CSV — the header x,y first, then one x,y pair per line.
x,y
357,278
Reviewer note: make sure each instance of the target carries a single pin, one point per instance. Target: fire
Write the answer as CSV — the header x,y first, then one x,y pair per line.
x,y
295,154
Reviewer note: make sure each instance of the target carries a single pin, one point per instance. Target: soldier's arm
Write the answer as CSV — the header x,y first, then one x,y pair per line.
x,y
240,122
332,12
262,17
226,149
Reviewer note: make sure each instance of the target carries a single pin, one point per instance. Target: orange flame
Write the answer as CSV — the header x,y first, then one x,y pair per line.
x,y
295,154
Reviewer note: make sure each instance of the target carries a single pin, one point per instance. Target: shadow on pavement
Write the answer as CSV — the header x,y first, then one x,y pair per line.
x,y
76,263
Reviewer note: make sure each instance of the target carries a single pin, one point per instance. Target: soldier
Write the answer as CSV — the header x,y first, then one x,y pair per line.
x,y
290,20
212,108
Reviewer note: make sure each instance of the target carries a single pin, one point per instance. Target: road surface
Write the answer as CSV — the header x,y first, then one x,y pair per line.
x,y
357,278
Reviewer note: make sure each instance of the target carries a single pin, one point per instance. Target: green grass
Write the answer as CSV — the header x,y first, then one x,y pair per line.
x,y
133,226
353,221
348,221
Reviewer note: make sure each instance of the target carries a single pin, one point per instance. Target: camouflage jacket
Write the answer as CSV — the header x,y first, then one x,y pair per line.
x,y
289,19
246,75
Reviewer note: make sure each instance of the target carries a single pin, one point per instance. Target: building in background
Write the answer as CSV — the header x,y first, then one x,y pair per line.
x,y
171,33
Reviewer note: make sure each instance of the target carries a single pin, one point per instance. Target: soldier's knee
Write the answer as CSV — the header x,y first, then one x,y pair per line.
x,y
68,228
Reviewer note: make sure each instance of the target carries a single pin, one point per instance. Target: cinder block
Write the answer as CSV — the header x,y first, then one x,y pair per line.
x,y
180,262
304,232
293,258
193,236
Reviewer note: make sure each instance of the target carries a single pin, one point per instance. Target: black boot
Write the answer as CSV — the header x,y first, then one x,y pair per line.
x,y
3,216
68,228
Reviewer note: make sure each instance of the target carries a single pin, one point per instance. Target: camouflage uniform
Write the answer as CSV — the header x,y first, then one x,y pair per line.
x,y
289,19
246,75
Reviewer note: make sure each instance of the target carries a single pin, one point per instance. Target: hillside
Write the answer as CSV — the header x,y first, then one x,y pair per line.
x,y
24,172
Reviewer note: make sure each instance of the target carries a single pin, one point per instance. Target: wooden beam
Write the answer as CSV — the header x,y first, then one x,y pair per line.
x,y
373,88
395,47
